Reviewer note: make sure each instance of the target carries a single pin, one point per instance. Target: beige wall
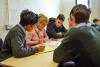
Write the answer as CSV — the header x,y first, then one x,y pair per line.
x,y
95,8
65,7
10,10
3,17
48,7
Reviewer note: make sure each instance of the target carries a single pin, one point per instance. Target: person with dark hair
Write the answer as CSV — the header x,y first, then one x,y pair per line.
x,y
81,44
55,28
96,24
14,43
1,42
51,19
95,20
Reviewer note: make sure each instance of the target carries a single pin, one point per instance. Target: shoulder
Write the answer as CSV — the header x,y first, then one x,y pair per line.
x,y
51,23
77,32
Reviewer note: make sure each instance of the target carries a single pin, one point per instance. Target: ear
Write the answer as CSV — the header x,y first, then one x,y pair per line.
x,y
71,21
72,18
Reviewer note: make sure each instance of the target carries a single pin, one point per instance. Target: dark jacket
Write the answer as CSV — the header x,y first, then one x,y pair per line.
x,y
15,44
1,42
52,30
81,45
96,26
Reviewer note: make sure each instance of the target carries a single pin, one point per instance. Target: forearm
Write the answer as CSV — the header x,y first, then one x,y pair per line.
x,y
25,52
31,43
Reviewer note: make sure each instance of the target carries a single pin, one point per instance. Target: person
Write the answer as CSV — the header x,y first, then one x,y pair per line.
x,y
38,34
52,19
96,24
97,21
1,42
55,29
15,43
81,43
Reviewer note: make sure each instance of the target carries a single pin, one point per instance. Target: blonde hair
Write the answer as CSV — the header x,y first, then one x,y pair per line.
x,y
42,19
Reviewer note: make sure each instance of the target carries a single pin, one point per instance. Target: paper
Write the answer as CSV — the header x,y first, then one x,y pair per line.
x,y
47,49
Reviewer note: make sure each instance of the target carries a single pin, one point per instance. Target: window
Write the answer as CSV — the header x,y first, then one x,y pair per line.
x,y
85,2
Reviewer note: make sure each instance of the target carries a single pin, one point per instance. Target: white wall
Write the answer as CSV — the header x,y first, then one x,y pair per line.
x,y
99,8
3,17
48,7
95,8
65,8
10,10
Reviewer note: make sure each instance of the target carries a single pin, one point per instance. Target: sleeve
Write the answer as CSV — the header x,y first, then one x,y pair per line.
x,y
19,46
63,29
52,33
29,39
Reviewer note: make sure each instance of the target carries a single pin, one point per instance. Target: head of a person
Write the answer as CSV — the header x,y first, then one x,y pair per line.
x,y
59,20
79,14
42,21
51,19
28,19
96,21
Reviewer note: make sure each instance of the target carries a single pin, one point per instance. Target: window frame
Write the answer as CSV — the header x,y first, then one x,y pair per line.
x,y
87,3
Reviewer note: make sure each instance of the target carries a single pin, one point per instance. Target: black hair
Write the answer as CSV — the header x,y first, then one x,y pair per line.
x,y
28,17
81,13
61,17
52,19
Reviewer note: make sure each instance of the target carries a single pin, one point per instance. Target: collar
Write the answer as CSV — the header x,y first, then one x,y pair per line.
x,y
21,27
81,24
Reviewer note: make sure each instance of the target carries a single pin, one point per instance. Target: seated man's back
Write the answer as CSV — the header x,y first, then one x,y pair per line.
x,y
82,42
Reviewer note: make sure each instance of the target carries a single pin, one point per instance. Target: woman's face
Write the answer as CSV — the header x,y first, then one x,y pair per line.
x,y
41,25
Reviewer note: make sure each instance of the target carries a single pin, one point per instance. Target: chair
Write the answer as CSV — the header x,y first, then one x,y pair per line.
x,y
1,42
67,64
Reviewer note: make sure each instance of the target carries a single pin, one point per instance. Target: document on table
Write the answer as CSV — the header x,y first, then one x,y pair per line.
x,y
53,43
50,46
47,49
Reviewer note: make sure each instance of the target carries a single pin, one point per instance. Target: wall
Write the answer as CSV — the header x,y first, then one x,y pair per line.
x,y
3,17
95,8
48,7
65,8
10,10
99,9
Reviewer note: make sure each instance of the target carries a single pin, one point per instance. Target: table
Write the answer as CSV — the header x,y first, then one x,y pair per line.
x,y
43,59
38,60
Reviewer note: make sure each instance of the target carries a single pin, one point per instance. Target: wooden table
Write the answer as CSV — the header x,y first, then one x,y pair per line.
x,y
38,60
44,59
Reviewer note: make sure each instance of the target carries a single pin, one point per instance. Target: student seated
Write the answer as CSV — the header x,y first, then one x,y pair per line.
x,y
55,29
1,42
96,24
15,43
52,19
81,43
38,34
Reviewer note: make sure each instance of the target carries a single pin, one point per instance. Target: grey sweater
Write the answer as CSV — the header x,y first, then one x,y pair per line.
x,y
15,43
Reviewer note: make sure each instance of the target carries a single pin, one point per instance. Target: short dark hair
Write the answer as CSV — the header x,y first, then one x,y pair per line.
x,y
81,13
28,17
61,17
51,19
95,20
